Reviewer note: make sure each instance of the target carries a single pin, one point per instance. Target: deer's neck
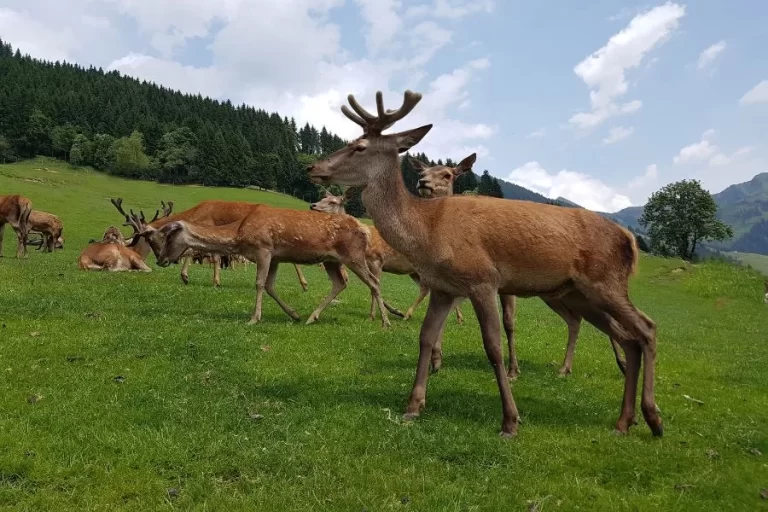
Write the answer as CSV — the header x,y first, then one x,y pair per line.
x,y
397,213
219,239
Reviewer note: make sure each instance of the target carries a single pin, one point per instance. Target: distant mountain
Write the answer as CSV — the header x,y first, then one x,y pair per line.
x,y
512,191
743,206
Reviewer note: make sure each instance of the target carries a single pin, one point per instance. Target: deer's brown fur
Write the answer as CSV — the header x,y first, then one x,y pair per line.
x,y
111,254
210,212
15,210
478,247
381,256
438,181
269,236
50,227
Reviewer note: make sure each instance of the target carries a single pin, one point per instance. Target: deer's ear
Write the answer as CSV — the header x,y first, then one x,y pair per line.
x,y
406,140
418,165
465,165
169,228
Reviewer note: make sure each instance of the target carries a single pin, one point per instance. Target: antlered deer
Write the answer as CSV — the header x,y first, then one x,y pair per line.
x,y
111,254
206,213
50,227
15,210
381,257
478,247
269,236
437,181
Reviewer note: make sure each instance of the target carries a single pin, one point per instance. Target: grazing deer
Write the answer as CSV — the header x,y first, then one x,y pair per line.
x,y
111,254
50,227
269,236
437,181
381,257
15,210
765,297
479,247
206,213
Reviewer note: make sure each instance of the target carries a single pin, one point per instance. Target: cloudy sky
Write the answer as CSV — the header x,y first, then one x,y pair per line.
x,y
602,103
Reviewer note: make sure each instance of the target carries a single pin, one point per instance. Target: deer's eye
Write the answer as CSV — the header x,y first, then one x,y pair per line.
x,y
361,147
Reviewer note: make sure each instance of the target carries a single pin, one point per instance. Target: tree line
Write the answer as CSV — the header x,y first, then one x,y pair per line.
x,y
137,129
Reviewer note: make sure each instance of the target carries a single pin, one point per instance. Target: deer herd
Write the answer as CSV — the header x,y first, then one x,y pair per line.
x,y
454,247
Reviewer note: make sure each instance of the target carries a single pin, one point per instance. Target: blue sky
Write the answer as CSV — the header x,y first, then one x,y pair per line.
x,y
602,102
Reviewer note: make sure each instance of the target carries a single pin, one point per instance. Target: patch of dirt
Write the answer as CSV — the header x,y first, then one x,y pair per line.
x,y
720,302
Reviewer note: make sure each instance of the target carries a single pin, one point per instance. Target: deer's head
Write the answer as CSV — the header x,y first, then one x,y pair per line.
x,y
330,204
168,242
373,153
437,181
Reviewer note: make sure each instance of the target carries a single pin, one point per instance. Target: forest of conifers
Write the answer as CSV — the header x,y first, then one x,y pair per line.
x,y
132,128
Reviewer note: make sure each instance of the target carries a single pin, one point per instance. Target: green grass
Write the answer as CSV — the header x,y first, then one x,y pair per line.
x,y
284,416
757,261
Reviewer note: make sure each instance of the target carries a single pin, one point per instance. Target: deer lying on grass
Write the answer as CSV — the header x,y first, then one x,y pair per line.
x,y
15,210
478,247
381,257
50,227
269,236
111,254
437,181
206,213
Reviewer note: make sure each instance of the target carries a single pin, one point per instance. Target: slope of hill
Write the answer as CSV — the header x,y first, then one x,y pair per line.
x,y
512,191
131,391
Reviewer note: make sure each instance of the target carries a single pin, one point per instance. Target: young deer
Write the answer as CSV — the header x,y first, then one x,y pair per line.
x,y
270,236
50,227
206,213
15,210
437,181
478,247
381,257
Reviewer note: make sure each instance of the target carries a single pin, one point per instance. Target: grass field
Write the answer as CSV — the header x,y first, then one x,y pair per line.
x,y
130,391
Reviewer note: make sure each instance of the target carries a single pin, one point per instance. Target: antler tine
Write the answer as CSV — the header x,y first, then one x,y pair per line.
x,y
118,203
157,214
354,117
364,114
389,117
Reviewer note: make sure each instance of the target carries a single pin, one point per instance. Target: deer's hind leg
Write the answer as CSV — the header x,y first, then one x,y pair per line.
x,y
269,285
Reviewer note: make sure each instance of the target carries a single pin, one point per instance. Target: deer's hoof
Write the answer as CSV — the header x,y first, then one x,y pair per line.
x,y
508,435
410,416
564,372
513,375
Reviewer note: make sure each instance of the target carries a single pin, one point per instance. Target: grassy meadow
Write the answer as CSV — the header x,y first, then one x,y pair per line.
x,y
131,391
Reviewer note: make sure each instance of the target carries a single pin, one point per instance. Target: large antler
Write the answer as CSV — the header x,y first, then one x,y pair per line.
x,y
130,220
374,125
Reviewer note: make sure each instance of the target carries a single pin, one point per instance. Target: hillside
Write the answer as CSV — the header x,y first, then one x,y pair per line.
x,y
134,392
744,206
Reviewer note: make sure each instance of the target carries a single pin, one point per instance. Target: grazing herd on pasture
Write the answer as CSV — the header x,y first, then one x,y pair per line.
x,y
455,247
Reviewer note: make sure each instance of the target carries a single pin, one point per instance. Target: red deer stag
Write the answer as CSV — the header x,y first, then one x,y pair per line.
x,y
206,213
15,210
269,236
381,257
437,181
50,227
111,254
479,247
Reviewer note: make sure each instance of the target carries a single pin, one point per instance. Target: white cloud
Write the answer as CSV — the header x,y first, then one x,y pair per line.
x,y
383,20
35,38
707,151
537,134
758,94
617,134
648,178
582,189
709,55
453,9
605,70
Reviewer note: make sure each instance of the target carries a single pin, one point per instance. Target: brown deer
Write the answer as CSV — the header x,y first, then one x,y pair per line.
x,y
207,213
381,257
50,227
15,210
438,181
479,247
111,254
269,236
765,297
